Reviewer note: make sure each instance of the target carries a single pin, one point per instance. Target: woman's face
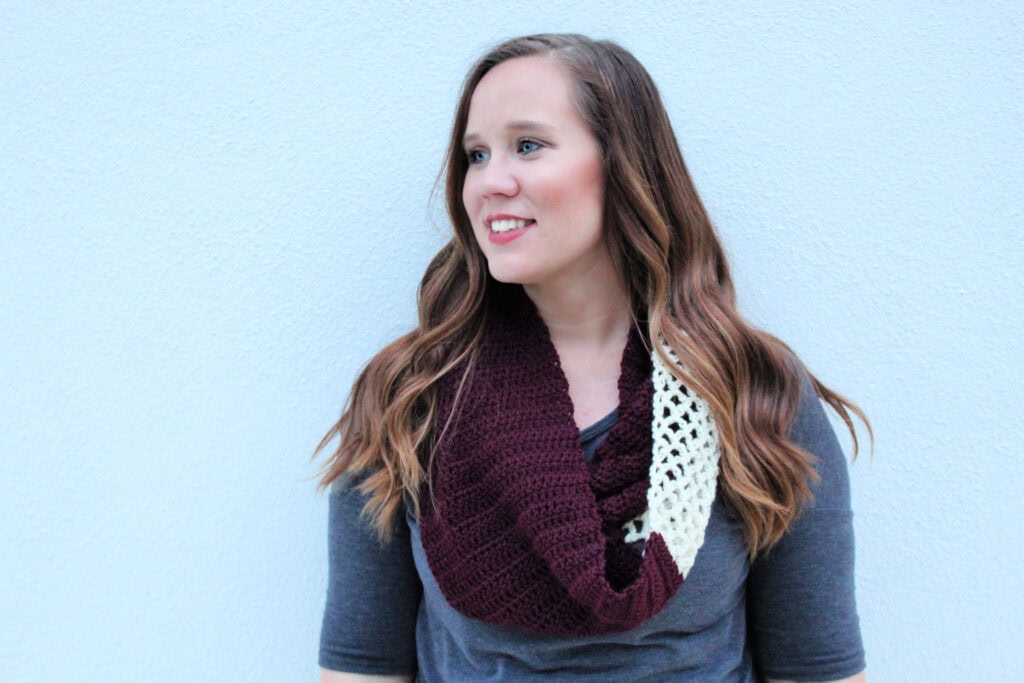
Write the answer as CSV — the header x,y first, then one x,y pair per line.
x,y
534,189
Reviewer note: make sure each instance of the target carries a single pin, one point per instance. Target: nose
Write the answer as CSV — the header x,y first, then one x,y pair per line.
x,y
497,178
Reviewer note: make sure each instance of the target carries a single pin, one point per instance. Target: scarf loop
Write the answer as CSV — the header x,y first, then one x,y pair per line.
x,y
519,529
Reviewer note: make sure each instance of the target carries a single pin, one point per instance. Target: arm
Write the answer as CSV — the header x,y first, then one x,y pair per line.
x,y
801,609
373,597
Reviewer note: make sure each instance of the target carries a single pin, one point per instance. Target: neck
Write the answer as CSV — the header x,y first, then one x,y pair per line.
x,y
596,311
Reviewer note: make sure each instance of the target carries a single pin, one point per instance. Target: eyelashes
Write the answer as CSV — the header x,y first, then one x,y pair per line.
x,y
476,156
524,147
527,146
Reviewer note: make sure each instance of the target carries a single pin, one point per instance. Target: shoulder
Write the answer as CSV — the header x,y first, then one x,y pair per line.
x,y
801,607
812,431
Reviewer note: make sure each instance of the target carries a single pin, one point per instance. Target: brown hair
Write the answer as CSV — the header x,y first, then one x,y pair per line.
x,y
673,266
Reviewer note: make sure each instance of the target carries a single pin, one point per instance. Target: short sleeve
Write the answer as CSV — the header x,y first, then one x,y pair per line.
x,y
373,594
801,609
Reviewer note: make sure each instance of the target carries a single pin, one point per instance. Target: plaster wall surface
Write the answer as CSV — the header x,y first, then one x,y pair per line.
x,y
212,214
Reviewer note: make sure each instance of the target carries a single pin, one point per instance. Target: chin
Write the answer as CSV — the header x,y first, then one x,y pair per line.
x,y
511,274
508,277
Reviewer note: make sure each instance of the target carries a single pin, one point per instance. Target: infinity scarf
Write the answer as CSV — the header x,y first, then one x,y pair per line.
x,y
519,529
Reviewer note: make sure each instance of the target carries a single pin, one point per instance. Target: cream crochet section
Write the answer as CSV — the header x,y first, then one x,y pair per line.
x,y
684,469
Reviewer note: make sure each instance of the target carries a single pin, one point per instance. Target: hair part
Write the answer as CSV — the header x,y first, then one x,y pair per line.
x,y
674,268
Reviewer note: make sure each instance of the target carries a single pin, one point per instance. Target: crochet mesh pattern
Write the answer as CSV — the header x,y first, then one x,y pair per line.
x,y
684,468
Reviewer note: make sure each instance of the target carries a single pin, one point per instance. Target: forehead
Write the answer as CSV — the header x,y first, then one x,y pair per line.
x,y
530,88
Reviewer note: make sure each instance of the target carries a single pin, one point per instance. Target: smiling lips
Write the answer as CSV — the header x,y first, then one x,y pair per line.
x,y
505,229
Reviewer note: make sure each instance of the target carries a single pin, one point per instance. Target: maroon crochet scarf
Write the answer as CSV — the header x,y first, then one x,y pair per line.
x,y
519,529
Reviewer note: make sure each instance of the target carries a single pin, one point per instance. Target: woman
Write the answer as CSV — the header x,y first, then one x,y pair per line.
x,y
583,464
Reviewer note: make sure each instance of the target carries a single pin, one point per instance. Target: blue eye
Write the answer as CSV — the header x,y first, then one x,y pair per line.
x,y
476,156
528,146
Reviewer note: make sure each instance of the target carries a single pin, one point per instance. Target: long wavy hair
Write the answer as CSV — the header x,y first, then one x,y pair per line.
x,y
674,268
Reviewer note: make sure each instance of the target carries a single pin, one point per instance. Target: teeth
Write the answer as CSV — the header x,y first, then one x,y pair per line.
x,y
508,224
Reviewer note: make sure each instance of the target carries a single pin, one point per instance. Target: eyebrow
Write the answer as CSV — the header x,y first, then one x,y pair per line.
x,y
513,126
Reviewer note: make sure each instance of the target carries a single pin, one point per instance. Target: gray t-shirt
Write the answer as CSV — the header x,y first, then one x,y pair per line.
x,y
790,614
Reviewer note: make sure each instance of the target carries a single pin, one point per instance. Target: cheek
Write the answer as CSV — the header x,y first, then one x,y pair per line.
x,y
587,189
469,198
593,172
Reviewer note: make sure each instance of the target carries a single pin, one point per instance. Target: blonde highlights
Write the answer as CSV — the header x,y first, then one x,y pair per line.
x,y
674,268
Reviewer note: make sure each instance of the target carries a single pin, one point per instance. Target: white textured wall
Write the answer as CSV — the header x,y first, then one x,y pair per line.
x,y
210,216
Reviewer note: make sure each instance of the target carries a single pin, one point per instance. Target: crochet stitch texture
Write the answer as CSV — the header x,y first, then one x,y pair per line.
x,y
519,529
684,468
